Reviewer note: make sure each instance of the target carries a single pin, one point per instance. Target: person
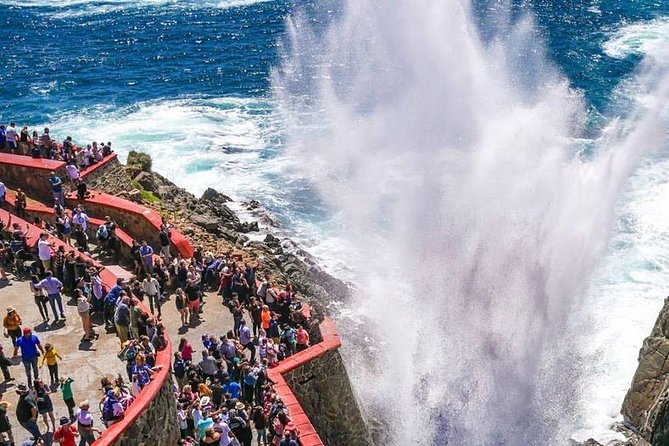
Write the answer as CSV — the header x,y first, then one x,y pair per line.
x,y
30,347
68,396
3,138
182,305
41,299
112,410
53,288
44,404
26,411
82,190
5,425
20,203
151,287
80,218
83,308
12,137
4,366
12,323
57,188
64,227
146,254
165,242
246,339
141,373
44,250
85,424
301,338
122,319
51,357
72,172
260,422
65,435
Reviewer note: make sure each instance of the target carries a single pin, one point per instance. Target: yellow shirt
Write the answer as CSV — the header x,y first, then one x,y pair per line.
x,y
50,357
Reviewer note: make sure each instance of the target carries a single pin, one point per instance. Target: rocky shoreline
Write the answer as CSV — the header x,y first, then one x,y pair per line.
x,y
210,224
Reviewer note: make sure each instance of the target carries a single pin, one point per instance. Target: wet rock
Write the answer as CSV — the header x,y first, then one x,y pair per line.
x,y
215,196
253,204
272,241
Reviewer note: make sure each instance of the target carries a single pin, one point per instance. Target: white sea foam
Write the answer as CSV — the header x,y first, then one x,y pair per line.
x,y
477,228
642,38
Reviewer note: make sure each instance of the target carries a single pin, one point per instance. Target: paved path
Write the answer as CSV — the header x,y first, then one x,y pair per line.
x,y
86,363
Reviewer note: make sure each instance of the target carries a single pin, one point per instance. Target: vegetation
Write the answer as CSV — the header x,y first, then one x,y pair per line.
x,y
140,160
147,196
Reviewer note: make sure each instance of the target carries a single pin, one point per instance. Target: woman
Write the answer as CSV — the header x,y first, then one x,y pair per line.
x,y
211,437
41,299
44,404
83,308
193,294
186,350
64,226
182,305
141,374
12,324
98,292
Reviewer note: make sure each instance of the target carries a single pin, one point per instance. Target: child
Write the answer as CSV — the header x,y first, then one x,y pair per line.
x,y
50,355
68,397
66,433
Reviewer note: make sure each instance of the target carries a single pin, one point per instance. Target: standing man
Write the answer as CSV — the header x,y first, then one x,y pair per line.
x,y
53,288
12,137
146,253
30,350
44,250
246,339
152,290
122,319
26,411
81,218
21,202
57,188
165,243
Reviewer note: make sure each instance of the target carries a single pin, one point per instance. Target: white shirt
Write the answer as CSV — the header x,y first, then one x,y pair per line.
x,y
11,134
151,286
44,250
85,417
81,219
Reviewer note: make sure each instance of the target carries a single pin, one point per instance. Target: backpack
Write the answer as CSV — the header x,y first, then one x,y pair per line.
x,y
108,411
102,233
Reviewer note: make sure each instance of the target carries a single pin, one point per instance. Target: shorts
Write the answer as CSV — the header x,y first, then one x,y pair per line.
x,y
194,304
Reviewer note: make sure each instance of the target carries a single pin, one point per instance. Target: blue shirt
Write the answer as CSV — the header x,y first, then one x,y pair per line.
x,y
146,253
233,388
3,135
28,347
51,284
56,184
244,335
113,294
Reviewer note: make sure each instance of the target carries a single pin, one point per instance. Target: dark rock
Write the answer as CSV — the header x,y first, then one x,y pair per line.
x,y
135,195
253,204
133,171
215,196
205,221
271,240
146,180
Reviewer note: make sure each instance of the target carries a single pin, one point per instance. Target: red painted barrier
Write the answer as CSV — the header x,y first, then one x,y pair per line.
x,y
33,163
331,341
93,167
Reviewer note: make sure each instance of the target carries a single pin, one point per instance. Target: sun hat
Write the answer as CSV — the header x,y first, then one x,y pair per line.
x,y
10,309
205,400
64,421
240,406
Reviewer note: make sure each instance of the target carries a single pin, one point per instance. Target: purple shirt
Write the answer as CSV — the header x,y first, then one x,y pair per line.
x,y
244,335
51,284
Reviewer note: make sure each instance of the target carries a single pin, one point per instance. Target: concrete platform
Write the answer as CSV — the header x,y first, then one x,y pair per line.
x,y
86,362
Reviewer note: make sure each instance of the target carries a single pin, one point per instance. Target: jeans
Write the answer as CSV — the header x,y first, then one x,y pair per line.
x,y
262,435
53,373
28,364
43,311
32,428
53,298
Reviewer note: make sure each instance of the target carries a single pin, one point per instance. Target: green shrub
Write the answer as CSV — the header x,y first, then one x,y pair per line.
x,y
139,159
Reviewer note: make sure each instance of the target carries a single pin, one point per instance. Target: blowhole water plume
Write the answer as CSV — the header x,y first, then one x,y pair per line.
x,y
455,165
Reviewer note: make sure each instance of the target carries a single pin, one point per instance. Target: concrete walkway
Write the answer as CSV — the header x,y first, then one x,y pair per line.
x,y
86,362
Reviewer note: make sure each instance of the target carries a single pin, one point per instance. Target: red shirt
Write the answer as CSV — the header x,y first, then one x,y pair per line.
x,y
65,435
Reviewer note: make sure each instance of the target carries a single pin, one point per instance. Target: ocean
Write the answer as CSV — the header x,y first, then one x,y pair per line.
x,y
502,166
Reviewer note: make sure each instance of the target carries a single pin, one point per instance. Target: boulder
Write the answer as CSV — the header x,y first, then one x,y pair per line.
x,y
135,195
215,196
205,221
646,405
146,180
164,192
141,160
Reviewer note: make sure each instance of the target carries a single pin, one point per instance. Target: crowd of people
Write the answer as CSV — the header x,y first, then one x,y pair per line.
x,y
223,393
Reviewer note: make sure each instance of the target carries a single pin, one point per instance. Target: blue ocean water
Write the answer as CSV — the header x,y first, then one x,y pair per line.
x,y
189,82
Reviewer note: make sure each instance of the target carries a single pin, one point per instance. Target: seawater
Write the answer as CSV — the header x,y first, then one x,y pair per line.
x,y
190,83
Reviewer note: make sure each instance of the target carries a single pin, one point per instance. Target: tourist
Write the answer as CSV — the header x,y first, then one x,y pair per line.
x,y
44,404
246,339
122,319
12,324
53,288
3,138
41,299
259,418
146,254
81,238
30,347
68,395
83,308
12,137
26,411
85,424
44,250
102,235
81,218
82,190
181,303
72,172
255,311
112,410
5,425
66,433
193,294
20,203
301,339
57,188
265,317
186,350
51,357
64,227
165,242
4,366
151,287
